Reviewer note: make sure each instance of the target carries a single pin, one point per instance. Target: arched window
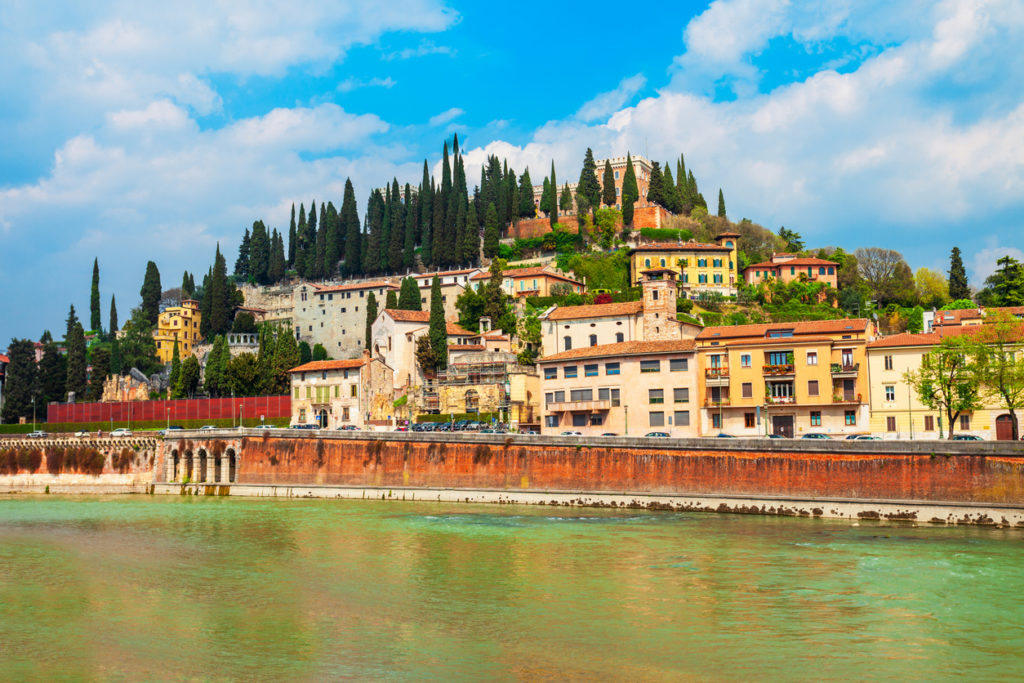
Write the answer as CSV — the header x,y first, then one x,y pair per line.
x,y
593,340
662,263
472,401
647,262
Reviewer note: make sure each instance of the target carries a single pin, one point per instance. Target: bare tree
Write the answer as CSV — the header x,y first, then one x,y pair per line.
x,y
886,273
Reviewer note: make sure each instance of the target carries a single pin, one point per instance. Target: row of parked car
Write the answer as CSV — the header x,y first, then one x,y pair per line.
x,y
457,426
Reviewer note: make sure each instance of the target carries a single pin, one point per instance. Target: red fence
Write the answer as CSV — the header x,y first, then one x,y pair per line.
x,y
184,409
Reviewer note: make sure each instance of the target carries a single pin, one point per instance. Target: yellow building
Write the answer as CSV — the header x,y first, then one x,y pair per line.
x,y
701,267
897,413
177,324
784,378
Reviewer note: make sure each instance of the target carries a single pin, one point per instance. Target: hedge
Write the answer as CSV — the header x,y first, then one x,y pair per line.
x,y
136,425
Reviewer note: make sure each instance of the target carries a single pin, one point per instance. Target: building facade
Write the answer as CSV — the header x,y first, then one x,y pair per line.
x,y
788,267
641,167
787,379
335,315
453,283
177,325
536,281
338,393
700,267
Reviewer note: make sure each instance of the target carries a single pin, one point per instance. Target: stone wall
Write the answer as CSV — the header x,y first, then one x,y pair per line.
x,y
84,465
643,217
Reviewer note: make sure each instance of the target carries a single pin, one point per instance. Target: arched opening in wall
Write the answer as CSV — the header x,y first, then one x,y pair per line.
x,y
201,473
321,418
1004,428
472,401
216,469
175,466
187,467
232,465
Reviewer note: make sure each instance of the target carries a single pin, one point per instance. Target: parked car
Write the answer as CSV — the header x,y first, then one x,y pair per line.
x,y
264,426
571,433
852,437
723,435
776,436
656,435
346,428
609,434
82,434
38,434
172,428
967,437
868,437
815,435
206,427
401,428
120,432
489,431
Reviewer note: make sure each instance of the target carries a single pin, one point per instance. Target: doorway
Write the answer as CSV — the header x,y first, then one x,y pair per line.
x,y
1004,428
783,425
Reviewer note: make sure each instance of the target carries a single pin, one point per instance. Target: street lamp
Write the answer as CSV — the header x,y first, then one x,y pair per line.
x,y
33,413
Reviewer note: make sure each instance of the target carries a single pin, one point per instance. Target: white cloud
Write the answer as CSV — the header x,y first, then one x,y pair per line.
x,y
350,84
426,47
445,116
609,102
983,261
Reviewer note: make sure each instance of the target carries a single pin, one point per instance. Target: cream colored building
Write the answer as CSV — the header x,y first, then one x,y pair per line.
x,y
700,267
624,388
177,324
453,284
785,378
534,281
336,393
335,315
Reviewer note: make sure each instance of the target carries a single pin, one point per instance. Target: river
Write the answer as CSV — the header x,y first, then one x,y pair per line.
x,y
187,588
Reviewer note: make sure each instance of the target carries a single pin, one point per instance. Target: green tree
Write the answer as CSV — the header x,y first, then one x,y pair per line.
x,y
958,288
20,383
137,348
172,381
242,374
214,377
1001,368
949,379
242,262
588,189
100,371
554,204
74,342
244,323
654,190
221,300
438,329
53,374
409,295
931,288
565,199
150,292
94,298
886,274
630,194
292,237
371,315
116,364
305,353
1004,287
113,316
266,351
794,243
411,212
391,301
286,357
492,232
320,353
470,305
721,203
608,195
496,302
527,209
425,354
188,380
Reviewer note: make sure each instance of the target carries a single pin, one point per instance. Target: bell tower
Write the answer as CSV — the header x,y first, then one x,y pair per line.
x,y
660,288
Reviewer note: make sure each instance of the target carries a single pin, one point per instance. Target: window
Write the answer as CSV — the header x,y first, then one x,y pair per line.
x,y
590,370
596,420
654,295
551,420
355,391
569,372
593,340
812,357
716,420
559,397
745,360
748,420
606,394
929,423
567,341
702,263
812,387
655,395
662,263
647,262
619,337
815,418
309,393
890,423
296,392
548,398
302,414
965,422
550,373
579,420
682,418
851,417
888,362
747,390
890,392
581,395
616,175
677,365
656,418
650,366
716,263
681,395
337,391
702,279
821,270
611,368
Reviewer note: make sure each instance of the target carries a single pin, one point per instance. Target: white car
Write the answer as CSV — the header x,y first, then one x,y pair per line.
x,y
571,433
206,427
82,434
121,431
37,435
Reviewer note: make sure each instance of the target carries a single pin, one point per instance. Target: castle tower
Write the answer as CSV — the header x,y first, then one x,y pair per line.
x,y
660,290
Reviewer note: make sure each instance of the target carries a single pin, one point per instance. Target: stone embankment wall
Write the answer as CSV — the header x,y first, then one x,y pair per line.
x,y
64,464
984,473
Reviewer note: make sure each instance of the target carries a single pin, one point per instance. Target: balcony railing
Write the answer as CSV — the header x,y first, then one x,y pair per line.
x,y
846,398
564,406
716,373
716,402
779,400
845,368
782,369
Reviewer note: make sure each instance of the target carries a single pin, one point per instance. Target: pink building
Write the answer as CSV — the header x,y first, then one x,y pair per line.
x,y
788,267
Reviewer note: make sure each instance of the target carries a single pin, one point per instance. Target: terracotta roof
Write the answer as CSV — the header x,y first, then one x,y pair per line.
x,y
455,329
930,338
630,348
372,284
809,261
728,234
536,271
403,316
799,339
817,327
445,273
596,310
4,359
318,365
956,317
466,347
677,246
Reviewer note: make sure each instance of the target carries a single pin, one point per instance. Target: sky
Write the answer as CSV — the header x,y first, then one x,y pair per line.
x,y
155,131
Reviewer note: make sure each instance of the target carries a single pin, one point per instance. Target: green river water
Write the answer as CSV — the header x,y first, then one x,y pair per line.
x,y
182,588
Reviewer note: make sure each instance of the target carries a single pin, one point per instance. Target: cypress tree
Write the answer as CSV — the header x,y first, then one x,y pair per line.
x,y
291,239
437,230
409,295
588,188
150,293
491,233
305,353
265,361
242,262
721,203
471,237
214,377
512,190
116,364
409,241
608,196
286,357
100,370
565,200
175,377
630,192
259,254
527,208
186,291
353,236
668,190
654,190
396,236
204,306
335,242
554,204
299,260
391,301
374,226
371,315
96,324
958,288
74,341
321,243
438,330
426,205
309,263
276,267
546,197
53,374
221,304
113,316
20,384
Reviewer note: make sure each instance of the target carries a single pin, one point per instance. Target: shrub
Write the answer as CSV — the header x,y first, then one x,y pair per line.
x,y
683,305
665,235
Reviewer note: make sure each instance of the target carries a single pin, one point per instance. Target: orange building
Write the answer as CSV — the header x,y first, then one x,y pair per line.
x,y
788,267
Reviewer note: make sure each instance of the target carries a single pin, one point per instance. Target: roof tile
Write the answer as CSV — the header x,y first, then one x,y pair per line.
x,y
596,310
318,365
630,348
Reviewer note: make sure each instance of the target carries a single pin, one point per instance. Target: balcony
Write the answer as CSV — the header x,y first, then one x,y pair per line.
x,y
845,369
846,398
572,406
717,402
783,370
717,377
779,400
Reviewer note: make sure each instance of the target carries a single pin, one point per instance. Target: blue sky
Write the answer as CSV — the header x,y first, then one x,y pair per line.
x,y
134,132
